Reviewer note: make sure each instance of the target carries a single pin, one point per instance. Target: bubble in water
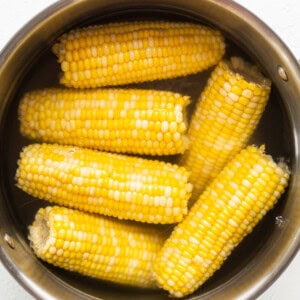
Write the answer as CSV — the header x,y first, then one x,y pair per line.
x,y
280,221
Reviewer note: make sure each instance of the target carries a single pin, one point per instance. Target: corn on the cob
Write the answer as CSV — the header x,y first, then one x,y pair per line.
x,y
225,117
111,184
96,246
228,209
127,52
118,120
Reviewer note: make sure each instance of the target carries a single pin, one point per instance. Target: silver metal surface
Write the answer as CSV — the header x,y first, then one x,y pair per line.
x,y
27,63
282,73
9,240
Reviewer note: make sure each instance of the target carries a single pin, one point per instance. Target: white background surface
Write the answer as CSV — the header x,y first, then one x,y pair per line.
x,y
282,16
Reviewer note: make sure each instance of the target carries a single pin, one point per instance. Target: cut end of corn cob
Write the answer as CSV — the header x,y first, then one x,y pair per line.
x,y
116,185
248,71
98,247
225,118
130,52
118,120
228,209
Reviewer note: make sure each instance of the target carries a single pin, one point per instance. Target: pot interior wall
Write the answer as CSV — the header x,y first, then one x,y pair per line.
x,y
273,131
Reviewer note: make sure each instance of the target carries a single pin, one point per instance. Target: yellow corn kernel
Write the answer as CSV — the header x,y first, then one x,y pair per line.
x,y
99,119
225,117
96,246
128,52
215,225
116,185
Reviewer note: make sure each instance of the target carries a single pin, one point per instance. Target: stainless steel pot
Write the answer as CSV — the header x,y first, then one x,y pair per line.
x,y
26,63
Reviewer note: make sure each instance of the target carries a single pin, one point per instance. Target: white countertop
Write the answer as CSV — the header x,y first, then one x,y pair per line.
x,y
282,16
